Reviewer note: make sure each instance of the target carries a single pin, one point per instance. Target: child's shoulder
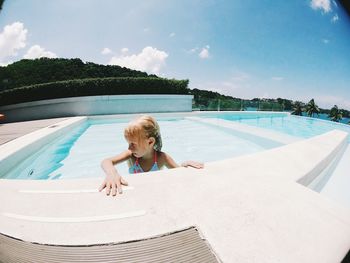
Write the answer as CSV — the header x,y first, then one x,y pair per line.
x,y
163,156
165,159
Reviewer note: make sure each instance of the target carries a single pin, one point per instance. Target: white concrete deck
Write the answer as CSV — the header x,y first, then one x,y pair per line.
x,y
250,208
11,131
337,187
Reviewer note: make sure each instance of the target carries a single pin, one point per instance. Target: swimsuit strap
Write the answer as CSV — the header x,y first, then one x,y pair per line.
x,y
137,167
155,156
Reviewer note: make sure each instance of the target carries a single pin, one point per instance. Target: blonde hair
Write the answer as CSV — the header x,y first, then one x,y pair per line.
x,y
144,127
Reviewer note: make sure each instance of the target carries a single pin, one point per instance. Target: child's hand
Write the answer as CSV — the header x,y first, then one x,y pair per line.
x,y
193,164
113,182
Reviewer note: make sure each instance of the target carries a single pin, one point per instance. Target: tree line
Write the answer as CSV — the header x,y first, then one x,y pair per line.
x,y
311,109
210,100
46,78
45,70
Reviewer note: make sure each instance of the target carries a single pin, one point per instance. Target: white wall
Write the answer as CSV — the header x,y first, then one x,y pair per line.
x,y
96,105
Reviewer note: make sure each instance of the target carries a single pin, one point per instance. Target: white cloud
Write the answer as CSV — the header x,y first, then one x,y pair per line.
x,y
325,41
172,34
204,52
240,76
277,78
4,64
124,50
328,101
335,18
265,96
12,38
325,5
150,60
106,51
228,84
238,86
37,51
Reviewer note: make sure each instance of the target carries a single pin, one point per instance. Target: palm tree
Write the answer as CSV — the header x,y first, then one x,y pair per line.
x,y
297,108
1,2
311,108
335,114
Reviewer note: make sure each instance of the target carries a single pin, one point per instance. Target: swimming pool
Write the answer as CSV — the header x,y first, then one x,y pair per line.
x,y
205,137
78,154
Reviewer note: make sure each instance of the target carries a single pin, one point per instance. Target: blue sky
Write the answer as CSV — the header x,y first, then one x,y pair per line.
x,y
296,49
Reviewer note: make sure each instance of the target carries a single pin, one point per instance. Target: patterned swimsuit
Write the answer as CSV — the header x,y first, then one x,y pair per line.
x,y
136,167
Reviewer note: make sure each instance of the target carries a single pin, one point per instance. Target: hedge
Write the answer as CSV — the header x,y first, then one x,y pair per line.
x,y
92,87
270,106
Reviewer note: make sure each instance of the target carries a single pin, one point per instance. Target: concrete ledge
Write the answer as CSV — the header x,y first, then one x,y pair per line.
x,y
311,155
96,105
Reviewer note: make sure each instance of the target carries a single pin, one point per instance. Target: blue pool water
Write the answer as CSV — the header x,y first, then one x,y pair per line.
x,y
79,153
303,127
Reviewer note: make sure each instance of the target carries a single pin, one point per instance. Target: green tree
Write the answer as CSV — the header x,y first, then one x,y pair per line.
x,y
243,107
45,70
297,108
335,114
285,104
311,108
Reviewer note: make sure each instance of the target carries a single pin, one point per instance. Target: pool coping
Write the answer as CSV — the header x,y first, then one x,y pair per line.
x,y
271,216
32,142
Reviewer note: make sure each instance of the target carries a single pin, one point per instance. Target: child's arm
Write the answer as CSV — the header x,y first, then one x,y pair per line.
x,y
113,180
170,163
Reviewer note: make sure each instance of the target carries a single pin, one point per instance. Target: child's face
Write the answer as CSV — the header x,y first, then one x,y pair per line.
x,y
139,147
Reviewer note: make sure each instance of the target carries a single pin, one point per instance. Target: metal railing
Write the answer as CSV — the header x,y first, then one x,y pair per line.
x,y
236,105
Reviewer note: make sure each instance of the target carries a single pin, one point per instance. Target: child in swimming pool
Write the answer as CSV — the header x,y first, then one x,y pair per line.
x,y
143,155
